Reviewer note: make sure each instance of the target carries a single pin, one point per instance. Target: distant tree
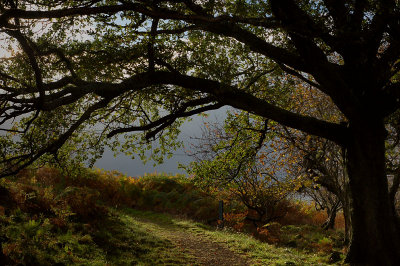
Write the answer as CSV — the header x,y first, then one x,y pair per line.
x,y
314,164
320,161
238,157
325,200
136,65
323,161
327,169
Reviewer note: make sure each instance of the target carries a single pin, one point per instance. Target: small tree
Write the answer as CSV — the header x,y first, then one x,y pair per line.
x,y
238,157
325,200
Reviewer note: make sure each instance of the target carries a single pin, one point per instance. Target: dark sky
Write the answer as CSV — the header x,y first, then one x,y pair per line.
x,y
126,165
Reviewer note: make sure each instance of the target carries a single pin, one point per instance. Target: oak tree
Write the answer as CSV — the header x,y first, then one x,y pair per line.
x,y
135,65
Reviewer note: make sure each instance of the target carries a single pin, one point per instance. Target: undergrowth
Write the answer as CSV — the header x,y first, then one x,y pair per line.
x,y
47,218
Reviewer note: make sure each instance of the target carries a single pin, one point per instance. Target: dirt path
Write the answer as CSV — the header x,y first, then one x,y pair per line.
x,y
201,248
204,250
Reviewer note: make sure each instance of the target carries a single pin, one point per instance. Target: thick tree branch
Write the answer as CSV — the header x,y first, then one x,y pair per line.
x,y
32,60
224,94
339,12
235,97
210,23
167,120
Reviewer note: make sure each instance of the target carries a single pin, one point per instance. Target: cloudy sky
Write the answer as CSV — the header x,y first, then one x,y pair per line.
x,y
126,165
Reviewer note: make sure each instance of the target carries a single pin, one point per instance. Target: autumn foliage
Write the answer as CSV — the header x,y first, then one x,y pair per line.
x,y
37,203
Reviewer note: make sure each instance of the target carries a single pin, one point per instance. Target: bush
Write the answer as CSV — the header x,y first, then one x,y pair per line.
x,y
235,220
325,245
43,205
34,241
301,213
270,233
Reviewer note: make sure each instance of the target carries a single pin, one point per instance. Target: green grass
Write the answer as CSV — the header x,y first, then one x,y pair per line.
x,y
264,253
132,237
130,242
261,253
76,224
118,239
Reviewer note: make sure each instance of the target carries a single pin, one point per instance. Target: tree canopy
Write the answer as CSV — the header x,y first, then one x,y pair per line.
x,y
132,65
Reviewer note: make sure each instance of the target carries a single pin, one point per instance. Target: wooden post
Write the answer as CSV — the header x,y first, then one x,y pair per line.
x,y
221,213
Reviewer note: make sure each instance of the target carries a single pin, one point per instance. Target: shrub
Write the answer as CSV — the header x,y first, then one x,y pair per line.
x,y
339,221
301,213
270,233
47,205
235,220
84,202
325,245
33,241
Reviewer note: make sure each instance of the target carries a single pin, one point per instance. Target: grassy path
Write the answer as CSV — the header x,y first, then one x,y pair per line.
x,y
207,252
132,237
198,248
189,243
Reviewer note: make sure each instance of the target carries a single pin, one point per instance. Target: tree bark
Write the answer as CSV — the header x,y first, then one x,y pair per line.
x,y
347,217
375,237
392,195
345,197
330,222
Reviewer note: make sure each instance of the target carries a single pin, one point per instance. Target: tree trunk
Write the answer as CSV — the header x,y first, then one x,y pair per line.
x,y
330,222
392,195
347,218
345,198
375,237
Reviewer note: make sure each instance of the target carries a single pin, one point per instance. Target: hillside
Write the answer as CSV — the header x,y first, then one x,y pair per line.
x,y
50,219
